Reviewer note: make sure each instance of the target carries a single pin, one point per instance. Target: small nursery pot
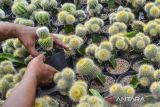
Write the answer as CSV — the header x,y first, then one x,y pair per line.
x,y
121,61
126,78
57,60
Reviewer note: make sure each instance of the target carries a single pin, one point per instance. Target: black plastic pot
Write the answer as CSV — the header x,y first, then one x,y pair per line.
x,y
121,77
57,60
117,75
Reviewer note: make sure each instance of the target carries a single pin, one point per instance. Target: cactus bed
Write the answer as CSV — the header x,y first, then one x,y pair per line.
x,y
114,51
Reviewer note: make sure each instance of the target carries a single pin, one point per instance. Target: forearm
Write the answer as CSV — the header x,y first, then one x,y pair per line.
x,y
24,94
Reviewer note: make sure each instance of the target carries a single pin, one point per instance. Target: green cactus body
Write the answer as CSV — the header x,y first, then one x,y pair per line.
x,y
36,3
80,30
122,16
45,4
2,14
103,54
43,32
144,81
90,50
17,43
120,44
154,12
128,91
95,28
145,70
8,77
17,78
150,51
80,15
31,8
154,89
137,25
51,102
20,53
46,44
76,92
81,83
106,45
116,90
7,67
113,30
156,74
84,66
26,22
22,71
75,43
63,84
53,3
68,74
69,7
42,17
62,16
20,9
57,77
148,6
4,86
9,93
41,102
70,19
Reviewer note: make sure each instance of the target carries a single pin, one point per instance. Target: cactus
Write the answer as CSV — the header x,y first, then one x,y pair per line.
x,y
57,77
156,74
42,32
94,25
95,28
26,22
41,102
145,70
120,44
8,77
53,3
122,16
84,66
69,7
4,86
80,30
17,43
63,84
31,8
20,53
83,105
76,92
7,67
144,81
113,30
154,12
157,57
45,4
116,90
46,44
90,50
9,93
22,71
138,3
51,102
20,9
17,78
103,55
155,90
75,42
70,19
128,91
42,17
137,25
62,16
80,15
148,6
81,83
2,14
36,3
68,74
150,51
140,41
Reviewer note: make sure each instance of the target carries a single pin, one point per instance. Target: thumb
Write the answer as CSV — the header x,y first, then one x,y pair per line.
x,y
33,51
40,58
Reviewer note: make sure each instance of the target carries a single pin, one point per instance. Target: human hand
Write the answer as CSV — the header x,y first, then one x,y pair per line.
x,y
28,37
42,72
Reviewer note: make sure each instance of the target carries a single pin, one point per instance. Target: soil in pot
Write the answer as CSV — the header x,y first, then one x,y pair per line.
x,y
135,66
126,80
62,100
84,78
102,88
122,66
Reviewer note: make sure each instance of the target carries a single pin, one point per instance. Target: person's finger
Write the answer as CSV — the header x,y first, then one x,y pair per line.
x,y
33,51
58,42
40,58
52,69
